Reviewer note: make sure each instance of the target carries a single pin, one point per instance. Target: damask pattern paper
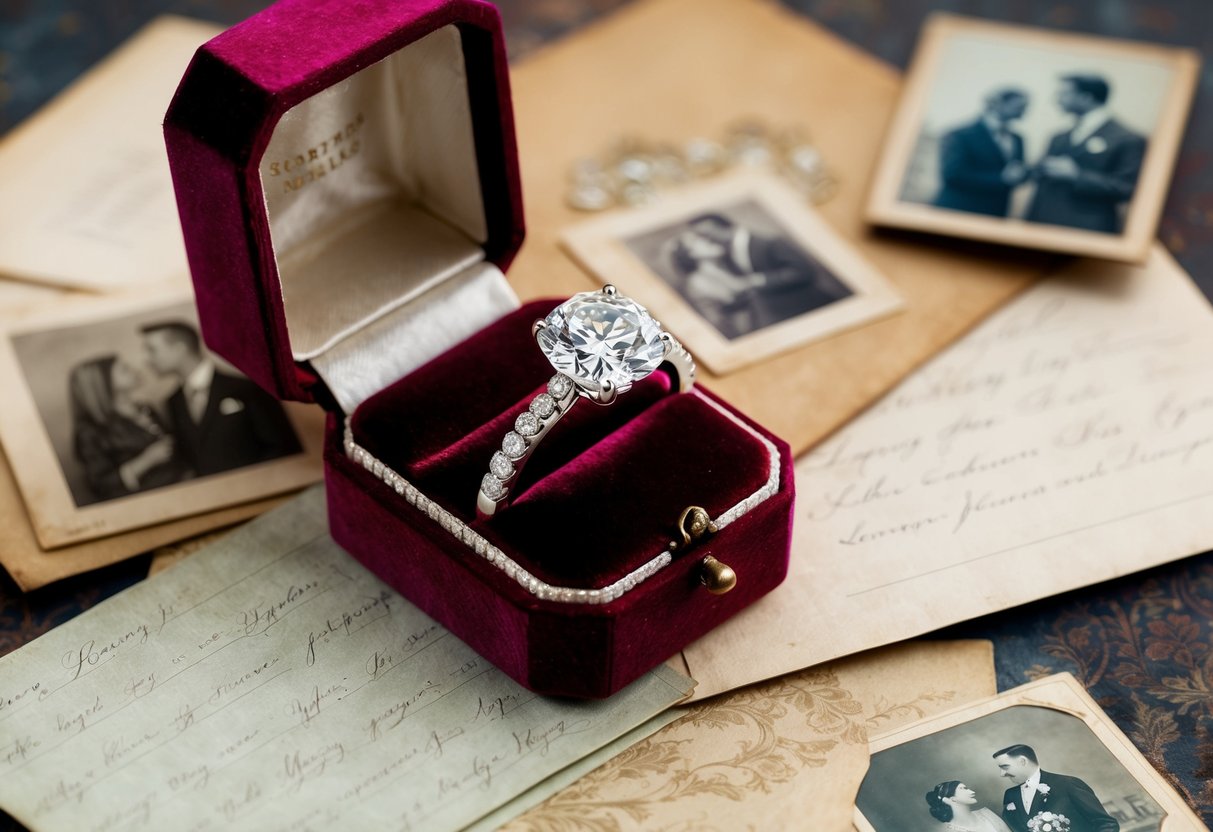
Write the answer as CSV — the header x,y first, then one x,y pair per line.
x,y
768,756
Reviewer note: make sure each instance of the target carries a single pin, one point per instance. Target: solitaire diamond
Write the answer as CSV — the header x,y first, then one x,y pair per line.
x,y
597,337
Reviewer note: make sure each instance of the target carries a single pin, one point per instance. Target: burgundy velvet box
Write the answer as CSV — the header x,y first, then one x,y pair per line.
x,y
347,180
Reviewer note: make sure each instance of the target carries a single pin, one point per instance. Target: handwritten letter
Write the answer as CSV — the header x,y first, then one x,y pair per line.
x,y
1066,441
272,683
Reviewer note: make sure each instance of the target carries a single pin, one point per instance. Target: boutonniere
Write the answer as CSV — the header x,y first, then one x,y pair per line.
x,y
229,406
1010,807
1096,144
1043,788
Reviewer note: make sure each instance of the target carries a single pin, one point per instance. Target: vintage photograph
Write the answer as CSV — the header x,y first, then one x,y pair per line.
x,y
1035,138
1039,758
119,415
740,269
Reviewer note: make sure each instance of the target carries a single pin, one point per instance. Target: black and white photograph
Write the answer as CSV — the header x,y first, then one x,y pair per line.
x,y
740,268
133,408
1033,138
1039,758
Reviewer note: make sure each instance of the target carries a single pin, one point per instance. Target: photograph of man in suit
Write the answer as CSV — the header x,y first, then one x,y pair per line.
x,y
982,162
769,277
1035,791
1090,170
218,421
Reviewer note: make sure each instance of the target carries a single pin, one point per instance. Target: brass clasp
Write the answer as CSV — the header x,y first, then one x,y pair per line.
x,y
694,525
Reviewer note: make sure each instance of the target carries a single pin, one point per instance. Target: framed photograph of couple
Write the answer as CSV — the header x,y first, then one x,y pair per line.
x,y
740,269
117,417
1035,138
1042,757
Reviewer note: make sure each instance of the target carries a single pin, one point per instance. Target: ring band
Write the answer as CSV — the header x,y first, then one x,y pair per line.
x,y
600,343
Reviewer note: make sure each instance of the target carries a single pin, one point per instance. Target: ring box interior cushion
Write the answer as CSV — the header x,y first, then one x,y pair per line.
x,y
347,180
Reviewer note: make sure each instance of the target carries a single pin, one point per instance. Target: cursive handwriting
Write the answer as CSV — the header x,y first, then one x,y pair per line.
x,y
300,766
378,605
396,713
238,683
91,655
261,617
309,709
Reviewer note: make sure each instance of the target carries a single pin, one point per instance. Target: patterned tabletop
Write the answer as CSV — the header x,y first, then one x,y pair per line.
x,y
1141,645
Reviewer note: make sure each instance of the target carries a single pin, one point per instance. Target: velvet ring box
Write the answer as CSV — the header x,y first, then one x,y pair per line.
x,y
347,180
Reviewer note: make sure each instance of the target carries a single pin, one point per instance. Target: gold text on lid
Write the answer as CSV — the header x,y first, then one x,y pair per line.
x,y
320,159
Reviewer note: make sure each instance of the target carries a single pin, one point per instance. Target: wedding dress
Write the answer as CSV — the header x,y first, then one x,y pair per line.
x,y
984,820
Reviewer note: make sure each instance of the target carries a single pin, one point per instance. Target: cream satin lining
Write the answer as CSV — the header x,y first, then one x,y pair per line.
x,y
380,210
393,346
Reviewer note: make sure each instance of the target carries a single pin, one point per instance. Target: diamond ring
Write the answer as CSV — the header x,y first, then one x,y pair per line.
x,y
600,344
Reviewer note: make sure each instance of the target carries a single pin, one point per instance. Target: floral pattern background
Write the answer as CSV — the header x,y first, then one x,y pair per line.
x,y
1141,645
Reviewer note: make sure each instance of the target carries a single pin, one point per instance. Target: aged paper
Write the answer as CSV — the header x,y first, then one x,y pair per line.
x,y
32,567
772,755
720,61
272,682
1066,441
88,201
1069,734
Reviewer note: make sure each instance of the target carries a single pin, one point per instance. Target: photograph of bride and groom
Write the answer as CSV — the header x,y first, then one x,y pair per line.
x,y
128,405
1023,769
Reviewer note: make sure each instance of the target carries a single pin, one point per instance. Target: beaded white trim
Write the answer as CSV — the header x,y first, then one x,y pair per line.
x,y
545,591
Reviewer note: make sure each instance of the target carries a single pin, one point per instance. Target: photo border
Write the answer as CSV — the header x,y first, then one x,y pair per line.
x,y
53,514
886,208
599,246
1060,692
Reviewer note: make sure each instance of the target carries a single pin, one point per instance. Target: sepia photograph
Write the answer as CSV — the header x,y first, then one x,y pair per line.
x,y
740,269
1035,138
119,416
1039,758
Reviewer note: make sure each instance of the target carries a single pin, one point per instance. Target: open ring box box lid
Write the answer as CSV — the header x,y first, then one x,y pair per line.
x,y
347,179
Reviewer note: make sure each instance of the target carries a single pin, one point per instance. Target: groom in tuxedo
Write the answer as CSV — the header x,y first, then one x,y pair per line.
x,y
1037,791
1090,171
219,421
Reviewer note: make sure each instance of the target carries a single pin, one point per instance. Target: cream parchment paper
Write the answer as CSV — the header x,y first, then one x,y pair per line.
x,y
88,201
270,682
785,754
1066,441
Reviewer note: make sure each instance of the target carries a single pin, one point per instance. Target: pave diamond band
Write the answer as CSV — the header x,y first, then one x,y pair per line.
x,y
600,343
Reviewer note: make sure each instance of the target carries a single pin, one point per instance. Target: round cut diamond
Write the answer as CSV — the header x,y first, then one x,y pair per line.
x,y
501,466
597,337
492,487
513,445
527,424
543,405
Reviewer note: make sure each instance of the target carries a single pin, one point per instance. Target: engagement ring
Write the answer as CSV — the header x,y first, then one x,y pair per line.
x,y
600,344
